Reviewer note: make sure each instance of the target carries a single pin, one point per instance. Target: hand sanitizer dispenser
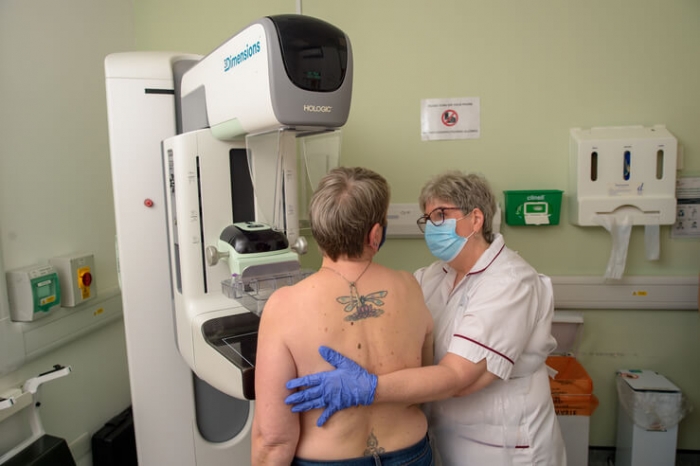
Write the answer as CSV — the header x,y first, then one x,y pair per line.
x,y
620,177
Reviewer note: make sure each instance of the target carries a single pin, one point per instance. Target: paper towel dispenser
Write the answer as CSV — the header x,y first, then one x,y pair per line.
x,y
627,171
620,177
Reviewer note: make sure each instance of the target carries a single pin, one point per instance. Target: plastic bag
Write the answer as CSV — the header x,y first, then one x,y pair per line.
x,y
652,410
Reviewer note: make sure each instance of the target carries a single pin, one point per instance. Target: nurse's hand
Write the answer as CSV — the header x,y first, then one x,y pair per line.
x,y
347,386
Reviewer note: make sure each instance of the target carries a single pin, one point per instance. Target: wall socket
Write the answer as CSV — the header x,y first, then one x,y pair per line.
x,y
402,221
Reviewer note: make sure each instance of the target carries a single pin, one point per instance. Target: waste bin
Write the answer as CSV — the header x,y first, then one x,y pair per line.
x,y
571,387
649,410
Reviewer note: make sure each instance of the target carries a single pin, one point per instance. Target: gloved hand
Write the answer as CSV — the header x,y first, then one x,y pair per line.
x,y
346,386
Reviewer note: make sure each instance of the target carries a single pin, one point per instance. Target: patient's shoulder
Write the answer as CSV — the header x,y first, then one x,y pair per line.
x,y
282,299
289,296
401,279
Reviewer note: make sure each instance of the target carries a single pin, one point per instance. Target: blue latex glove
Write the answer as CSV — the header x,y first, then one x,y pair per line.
x,y
346,386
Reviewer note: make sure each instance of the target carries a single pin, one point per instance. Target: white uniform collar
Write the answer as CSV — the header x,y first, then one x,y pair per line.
x,y
486,258
489,255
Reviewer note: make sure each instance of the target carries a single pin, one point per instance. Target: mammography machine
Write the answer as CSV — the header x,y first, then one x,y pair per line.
x,y
209,197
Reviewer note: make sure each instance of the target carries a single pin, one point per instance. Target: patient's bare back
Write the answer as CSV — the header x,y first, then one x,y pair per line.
x,y
381,322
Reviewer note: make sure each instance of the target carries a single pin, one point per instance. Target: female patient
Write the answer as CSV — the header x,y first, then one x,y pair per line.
x,y
371,313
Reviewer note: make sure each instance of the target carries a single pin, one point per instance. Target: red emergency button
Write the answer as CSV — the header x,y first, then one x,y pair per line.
x,y
86,278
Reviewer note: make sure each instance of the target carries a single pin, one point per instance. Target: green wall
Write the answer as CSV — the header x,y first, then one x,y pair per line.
x,y
540,67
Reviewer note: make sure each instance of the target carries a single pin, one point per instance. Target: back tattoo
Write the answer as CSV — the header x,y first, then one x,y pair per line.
x,y
364,305
373,447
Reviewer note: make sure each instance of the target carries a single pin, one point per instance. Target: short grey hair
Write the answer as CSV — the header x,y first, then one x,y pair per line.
x,y
348,202
466,191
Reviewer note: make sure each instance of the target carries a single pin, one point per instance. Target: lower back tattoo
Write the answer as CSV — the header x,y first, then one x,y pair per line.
x,y
373,447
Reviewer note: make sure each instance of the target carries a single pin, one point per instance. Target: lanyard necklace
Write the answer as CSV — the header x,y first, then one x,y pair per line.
x,y
353,286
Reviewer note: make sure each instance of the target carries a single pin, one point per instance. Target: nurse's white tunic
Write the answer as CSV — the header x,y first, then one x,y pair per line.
x,y
501,311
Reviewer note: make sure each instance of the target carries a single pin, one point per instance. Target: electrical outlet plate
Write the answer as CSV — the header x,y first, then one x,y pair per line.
x,y
402,221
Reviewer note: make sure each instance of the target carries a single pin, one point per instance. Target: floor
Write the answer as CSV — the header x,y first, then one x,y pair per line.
x,y
597,456
606,457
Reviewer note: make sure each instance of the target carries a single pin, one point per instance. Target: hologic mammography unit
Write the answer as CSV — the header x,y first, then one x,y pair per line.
x,y
209,198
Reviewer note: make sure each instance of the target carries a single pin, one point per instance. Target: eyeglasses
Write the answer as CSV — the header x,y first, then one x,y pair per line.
x,y
436,217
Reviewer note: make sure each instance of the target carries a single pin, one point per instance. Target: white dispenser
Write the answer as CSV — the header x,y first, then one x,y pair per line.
x,y
620,177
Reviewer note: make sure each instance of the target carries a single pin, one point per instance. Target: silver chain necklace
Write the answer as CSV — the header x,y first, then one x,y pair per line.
x,y
353,284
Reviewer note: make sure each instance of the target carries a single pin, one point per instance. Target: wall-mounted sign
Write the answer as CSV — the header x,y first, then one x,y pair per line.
x,y
457,118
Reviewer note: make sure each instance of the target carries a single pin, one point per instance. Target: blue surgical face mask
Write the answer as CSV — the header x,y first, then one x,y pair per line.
x,y
383,237
443,241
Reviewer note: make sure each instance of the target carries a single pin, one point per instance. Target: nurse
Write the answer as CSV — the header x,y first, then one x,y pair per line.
x,y
489,388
